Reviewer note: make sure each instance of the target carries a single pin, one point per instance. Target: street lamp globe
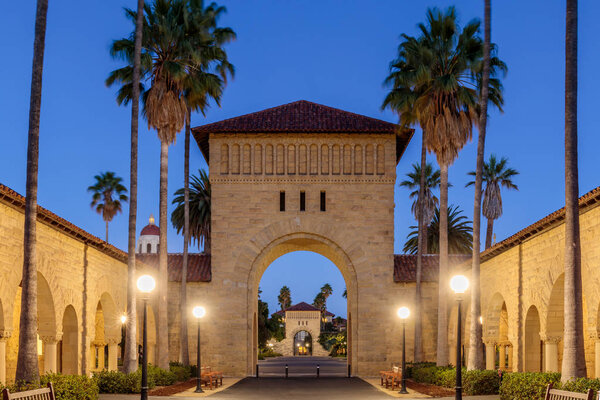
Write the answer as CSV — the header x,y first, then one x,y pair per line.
x,y
199,312
146,284
123,319
459,284
403,312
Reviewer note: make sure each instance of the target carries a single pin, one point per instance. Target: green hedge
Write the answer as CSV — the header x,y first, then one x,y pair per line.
x,y
66,387
119,382
532,385
475,382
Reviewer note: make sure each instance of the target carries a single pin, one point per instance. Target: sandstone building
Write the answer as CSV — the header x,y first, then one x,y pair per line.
x,y
296,177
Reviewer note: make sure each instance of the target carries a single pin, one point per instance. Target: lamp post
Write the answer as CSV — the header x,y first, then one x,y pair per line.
x,y
146,285
199,312
403,313
459,284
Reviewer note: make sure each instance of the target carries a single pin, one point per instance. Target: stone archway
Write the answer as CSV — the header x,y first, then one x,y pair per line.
x,y
554,327
70,342
301,241
532,347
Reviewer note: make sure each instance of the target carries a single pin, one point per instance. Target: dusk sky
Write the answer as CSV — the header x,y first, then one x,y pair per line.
x,y
331,52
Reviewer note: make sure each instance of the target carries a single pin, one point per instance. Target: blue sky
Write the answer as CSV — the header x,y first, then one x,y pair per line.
x,y
332,52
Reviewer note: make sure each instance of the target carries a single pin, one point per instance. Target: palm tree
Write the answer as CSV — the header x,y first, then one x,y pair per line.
x,y
460,234
199,216
432,181
285,298
495,174
204,82
169,55
130,363
27,358
573,363
106,186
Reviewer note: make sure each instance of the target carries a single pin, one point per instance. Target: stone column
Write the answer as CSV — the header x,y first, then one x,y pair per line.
x,y
502,361
4,335
551,353
113,351
50,364
490,354
510,357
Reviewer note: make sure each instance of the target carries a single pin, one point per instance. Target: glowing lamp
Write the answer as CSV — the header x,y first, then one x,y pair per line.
x,y
146,284
481,320
403,312
459,284
123,319
199,312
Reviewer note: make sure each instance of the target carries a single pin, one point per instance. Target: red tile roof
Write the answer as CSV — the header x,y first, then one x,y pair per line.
x,y
43,215
302,307
586,202
405,266
302,117
199,268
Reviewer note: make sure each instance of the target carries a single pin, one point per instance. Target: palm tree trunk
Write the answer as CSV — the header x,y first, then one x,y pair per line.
x,y
184,355
573,363
106,231
130,360
421,234
163,327
475,360
443,282
489,233
27,361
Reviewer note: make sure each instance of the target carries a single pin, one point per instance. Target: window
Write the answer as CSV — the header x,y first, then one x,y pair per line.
x,y
281,201
323,201
302,201
148,248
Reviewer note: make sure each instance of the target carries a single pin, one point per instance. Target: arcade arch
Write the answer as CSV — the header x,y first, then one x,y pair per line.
x,y
553,345
69,346
533,343
285,244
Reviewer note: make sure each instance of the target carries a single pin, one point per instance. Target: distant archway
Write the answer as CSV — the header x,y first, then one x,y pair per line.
x,y
303,344
553,347
70,342
533,345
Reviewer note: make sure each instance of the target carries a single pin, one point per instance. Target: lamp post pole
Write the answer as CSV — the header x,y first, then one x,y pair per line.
x,y
403,389
199,369
458,388
144,392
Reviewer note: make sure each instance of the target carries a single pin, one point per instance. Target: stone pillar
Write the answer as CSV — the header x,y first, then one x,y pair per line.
x,y
551,353
502,361
50,359
509,367
113,351
490,354
4,335
101,356
597,359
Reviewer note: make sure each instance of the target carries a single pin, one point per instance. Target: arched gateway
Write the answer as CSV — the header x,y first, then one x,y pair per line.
x,y
302,176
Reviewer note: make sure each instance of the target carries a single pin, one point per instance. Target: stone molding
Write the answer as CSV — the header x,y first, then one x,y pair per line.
x,y
98,343
5,335
489,341
551,339
113,341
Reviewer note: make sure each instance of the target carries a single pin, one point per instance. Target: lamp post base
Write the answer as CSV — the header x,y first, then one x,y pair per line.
x,y
199,387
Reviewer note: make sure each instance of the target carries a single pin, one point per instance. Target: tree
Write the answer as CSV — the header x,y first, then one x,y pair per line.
x,y
460,234
285,298
263,322
430,201
573,362
495,174
106,186
204,82
27,357
169,54
199,216
130,363
320,301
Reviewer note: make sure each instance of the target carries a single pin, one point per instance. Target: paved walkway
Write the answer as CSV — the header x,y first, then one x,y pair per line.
x,y
303,367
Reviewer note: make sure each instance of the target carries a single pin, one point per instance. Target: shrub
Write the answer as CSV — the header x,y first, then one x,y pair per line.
x,y
480,382
581,385
72,387
526,385
161,377
182,373
118,382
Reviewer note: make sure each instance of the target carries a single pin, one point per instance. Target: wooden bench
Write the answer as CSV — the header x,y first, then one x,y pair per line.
x,y
391,379
46,393
211,379
555,394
